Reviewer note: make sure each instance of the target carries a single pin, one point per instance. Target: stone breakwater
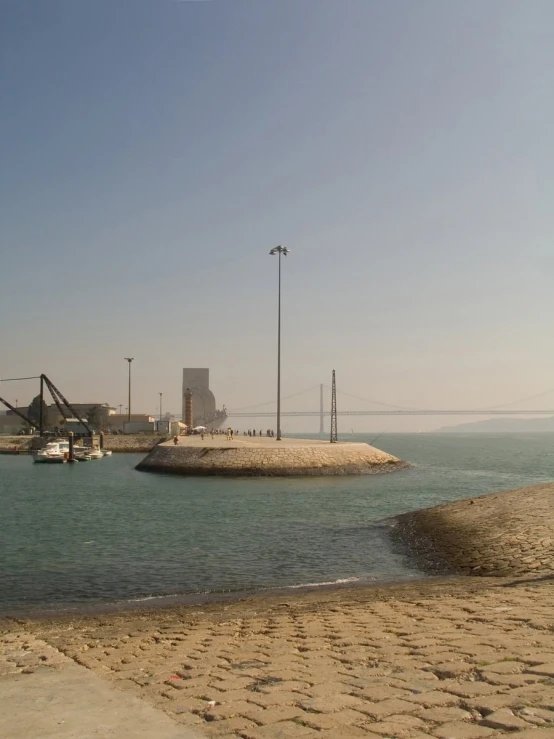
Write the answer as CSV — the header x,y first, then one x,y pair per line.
x,y
506,533
290,457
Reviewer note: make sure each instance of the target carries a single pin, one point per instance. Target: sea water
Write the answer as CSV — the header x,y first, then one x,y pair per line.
x,y
76,536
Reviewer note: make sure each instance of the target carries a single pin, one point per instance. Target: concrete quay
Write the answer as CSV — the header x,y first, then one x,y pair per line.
x,y
45,694
499,534
264,456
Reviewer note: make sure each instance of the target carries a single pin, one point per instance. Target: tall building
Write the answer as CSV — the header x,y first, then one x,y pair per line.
x,y
205,411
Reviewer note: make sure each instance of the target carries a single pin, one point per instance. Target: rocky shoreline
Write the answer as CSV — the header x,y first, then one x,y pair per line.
x,y
499,534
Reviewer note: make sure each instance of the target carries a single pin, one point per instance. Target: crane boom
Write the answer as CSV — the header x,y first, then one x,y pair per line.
x,y
54,391
16,411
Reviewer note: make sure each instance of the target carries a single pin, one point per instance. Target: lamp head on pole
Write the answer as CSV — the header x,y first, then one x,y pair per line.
x,y
128,359
284,250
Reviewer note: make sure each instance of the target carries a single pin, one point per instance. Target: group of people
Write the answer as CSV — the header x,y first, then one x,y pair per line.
x,y
231,433
250,432
218,432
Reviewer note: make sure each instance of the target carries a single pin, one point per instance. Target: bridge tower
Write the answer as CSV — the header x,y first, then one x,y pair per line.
x,y
321,426
334,430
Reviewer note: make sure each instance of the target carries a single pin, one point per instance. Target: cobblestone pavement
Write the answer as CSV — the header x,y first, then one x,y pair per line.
x,y
459,662
24,653
240,441
501,534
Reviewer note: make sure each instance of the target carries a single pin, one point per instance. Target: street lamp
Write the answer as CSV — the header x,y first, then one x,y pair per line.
x,y
284,251
129,359
160,394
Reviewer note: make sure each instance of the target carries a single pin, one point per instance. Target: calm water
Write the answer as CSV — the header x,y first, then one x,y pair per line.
x,y
78,535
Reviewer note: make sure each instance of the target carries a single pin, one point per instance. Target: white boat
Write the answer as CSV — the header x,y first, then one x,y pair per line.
x,y
55,452
95,454
107,452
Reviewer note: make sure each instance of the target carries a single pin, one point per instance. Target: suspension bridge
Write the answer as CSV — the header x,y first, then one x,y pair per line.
x,y
387,409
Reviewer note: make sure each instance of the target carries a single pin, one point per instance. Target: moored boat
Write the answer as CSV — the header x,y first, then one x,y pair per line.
x,y
55,452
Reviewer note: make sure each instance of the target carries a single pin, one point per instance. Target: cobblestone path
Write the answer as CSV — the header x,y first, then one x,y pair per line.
x,y
424,661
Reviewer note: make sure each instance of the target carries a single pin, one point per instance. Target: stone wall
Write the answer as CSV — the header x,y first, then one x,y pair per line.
x,y
131,443
9,442
507,533
336,459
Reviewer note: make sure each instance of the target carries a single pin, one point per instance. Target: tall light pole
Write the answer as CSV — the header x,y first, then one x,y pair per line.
x,y
160,406
279,250
129,359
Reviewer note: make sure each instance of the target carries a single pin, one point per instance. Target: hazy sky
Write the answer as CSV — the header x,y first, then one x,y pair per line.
x,y
152,152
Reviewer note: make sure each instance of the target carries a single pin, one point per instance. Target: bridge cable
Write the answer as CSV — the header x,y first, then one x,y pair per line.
x,y
411,408
377,402
521,400
269,402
